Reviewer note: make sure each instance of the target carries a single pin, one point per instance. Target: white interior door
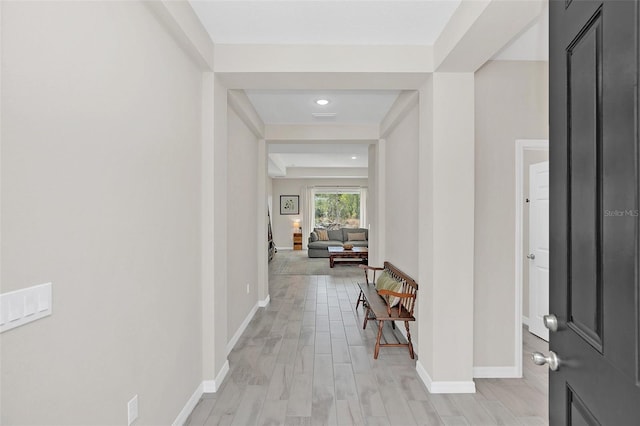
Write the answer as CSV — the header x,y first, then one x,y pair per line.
x,y
538,248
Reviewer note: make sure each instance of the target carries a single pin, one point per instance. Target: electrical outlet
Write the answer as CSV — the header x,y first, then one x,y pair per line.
x,y
132,410
248,288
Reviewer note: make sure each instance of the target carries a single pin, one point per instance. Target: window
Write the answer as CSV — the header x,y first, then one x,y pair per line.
x,y
338,208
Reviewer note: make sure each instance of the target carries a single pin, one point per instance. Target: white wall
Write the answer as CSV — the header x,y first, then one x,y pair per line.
x,y
511,103
283,224
401,161
401,201
100,195
242,203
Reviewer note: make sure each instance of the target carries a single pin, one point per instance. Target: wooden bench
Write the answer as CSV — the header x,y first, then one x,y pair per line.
x,y
377,308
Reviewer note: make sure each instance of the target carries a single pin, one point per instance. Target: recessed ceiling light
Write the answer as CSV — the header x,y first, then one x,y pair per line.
x,y
354,158
322,102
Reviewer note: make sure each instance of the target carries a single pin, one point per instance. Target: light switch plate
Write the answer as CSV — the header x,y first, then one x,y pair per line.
x,y
24,306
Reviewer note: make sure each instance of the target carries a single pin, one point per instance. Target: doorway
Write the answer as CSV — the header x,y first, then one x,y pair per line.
x,y
536,281
528,152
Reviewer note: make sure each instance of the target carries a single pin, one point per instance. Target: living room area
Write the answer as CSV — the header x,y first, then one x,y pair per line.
x,y
328,213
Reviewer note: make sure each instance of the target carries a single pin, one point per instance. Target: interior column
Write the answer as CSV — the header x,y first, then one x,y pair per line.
x,y
446,230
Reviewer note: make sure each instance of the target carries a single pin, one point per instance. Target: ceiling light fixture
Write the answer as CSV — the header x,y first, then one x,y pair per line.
x,y
323,114
354,158
322,102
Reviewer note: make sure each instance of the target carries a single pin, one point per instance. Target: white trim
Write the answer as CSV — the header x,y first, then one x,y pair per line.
x,y
444,387
242,328
525,321
262,250
189,406
496,372
220,377
212,386
240,103
406,101
207,386
377,253
285,248
185,27
265,302
521,146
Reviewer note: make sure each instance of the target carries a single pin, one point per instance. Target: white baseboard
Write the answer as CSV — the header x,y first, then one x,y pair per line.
x,y
444,387
189,406
221,375
242,328
212,386
510,372
265,302
525,320
207,386
285,248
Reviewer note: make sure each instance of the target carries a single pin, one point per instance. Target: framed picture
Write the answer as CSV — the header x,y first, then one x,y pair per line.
x,y
289,204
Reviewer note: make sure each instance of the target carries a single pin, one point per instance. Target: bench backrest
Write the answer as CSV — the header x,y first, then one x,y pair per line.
x,y
409,286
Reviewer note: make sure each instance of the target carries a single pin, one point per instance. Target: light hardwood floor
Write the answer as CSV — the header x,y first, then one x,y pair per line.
x,y
305,359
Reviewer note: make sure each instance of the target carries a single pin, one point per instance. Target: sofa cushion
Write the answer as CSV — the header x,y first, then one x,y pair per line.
x,y
313,237
324,244
336,235
322,235
356,236
347,231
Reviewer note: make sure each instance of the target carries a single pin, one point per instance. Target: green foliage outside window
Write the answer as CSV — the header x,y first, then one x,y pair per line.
x,y
337,210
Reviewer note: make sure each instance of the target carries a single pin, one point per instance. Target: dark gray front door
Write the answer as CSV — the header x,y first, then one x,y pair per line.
x,y
593,73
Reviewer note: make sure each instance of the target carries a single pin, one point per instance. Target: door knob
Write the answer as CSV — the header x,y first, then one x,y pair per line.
x,y
552,360
531,256
551,322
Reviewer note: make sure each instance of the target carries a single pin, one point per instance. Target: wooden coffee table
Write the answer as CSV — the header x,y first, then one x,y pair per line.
x,y
356,255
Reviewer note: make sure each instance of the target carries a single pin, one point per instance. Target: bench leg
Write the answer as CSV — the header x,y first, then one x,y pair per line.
x,y
360,299
406,325
366,317
377,349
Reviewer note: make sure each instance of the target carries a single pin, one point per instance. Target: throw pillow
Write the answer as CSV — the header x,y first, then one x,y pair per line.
x,y
314,236
356,236
387,282
322,235
335,234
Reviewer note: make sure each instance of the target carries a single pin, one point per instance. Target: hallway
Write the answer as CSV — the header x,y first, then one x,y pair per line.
x,y
304,359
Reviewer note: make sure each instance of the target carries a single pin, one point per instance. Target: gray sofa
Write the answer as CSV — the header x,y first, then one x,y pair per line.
x,y
337,237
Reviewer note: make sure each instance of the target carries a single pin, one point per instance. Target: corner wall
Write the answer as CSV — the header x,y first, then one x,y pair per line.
x,y
401,202
511,103
100,195
242,204
401,213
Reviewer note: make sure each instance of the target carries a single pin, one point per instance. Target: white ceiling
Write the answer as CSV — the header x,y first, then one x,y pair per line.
x,y
415,22
338,22
320,155
297,106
